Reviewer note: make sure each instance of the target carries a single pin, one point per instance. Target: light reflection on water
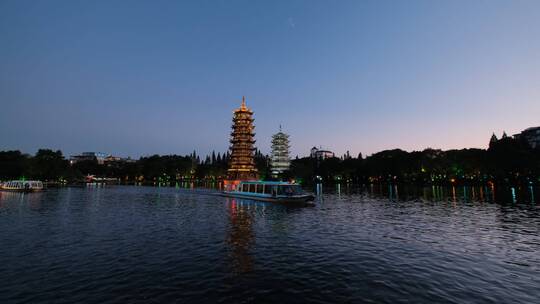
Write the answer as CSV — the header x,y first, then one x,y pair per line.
x,y
509,194
372,243
240,234
490,194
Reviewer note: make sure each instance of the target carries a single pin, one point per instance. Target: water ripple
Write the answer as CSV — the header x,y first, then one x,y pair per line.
x,y
156,245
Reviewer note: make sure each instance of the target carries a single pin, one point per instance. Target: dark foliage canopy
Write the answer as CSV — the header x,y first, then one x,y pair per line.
x,y
508,160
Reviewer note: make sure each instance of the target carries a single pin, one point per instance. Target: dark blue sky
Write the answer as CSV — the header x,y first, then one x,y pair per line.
x,y
143,77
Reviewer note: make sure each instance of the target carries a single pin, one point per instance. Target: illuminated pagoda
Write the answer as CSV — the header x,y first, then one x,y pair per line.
x,y
242,162
280,153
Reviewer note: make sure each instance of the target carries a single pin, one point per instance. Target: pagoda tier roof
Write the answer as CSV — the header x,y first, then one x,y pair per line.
x,y
245,133
247,111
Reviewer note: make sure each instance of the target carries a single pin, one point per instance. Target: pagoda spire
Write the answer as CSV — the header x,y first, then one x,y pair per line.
x,y
243,106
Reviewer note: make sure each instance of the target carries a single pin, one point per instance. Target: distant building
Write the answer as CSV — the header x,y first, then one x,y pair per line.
x,y
531,135
319,153
280,153
112,159
98,156
115,161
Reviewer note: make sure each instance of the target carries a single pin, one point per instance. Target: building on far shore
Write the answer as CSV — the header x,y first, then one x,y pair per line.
x,y
320,153
100,157
111,160
531,135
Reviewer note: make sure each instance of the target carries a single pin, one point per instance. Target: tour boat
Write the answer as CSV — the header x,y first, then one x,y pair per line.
x,y
267,191
22,186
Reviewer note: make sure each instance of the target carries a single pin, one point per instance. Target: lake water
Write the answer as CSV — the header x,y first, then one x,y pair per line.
x,y
372,244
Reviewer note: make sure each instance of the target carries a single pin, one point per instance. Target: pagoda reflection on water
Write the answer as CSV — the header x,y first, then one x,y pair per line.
x,y
242,161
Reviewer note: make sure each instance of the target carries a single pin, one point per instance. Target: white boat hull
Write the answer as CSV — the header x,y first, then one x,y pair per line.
x,y
22,186
274,199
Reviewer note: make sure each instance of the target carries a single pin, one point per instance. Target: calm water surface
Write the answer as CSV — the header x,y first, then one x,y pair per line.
x,y
127,244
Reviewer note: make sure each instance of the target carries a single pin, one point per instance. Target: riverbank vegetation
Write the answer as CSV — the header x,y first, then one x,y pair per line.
x,y
505,161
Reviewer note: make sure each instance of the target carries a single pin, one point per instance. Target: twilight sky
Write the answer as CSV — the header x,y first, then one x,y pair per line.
x,y
134,78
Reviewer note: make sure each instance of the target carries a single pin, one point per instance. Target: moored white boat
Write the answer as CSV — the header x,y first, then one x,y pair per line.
x,y
269,191
22,186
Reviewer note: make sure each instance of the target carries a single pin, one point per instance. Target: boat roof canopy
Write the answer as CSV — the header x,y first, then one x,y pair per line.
x,y
24,181
268,183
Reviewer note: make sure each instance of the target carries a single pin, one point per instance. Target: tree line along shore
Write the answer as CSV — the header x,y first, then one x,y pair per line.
x,y
508,160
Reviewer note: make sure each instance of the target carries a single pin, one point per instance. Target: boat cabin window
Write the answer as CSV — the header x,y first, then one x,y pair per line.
x,y
260,188
289,190
245,188
252,188
268,189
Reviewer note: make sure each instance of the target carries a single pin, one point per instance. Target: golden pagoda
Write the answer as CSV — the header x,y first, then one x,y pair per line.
x,y
242,162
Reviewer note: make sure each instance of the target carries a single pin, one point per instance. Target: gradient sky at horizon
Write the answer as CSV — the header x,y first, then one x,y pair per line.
x,y
134,78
